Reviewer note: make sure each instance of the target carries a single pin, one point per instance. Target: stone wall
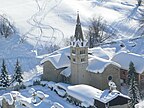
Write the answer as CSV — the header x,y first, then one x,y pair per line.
x,y
50,73
100,80
6,105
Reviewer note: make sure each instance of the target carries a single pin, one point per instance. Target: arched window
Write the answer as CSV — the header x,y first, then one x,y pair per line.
x,y
110,78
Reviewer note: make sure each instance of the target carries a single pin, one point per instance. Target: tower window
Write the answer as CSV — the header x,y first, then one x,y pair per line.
x,y
83,59
74,59
73,51
82,52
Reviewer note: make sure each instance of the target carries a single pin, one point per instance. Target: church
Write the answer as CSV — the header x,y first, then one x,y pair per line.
x,y
76,64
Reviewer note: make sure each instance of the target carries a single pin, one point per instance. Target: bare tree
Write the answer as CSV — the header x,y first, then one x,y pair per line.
x,y
6,27
97,32
141,24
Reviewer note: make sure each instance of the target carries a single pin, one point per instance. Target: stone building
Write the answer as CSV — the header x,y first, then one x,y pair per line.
x,y
75,65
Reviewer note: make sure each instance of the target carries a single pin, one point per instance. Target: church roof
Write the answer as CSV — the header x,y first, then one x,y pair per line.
x,y
59,60
97,64
78,30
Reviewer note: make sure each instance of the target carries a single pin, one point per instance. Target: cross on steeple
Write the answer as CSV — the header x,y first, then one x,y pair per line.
x,y
78,30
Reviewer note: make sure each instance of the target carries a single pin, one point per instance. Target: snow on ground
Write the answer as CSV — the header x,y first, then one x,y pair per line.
x,y
57,18
11,49
52,96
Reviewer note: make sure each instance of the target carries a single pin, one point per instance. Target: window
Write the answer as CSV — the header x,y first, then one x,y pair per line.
x,y
109,78
74,59
73,51
83,59
82,52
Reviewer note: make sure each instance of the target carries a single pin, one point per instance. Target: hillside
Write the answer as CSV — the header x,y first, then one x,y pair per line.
x,y
44,25
48,22
11,49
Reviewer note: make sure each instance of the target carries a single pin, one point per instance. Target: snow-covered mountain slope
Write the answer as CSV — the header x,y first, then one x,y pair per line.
x,y
47,22
12,49
135,45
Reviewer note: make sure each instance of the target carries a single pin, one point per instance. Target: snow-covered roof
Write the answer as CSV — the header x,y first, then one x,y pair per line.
x,y
105,53
65,50
124,59
58,60
66,72
97,65
90,93
107,96
85,93
98,61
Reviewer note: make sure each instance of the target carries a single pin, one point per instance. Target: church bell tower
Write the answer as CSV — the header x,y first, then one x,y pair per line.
x,y
78,55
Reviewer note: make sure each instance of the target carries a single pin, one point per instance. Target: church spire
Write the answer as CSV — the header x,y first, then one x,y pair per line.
x,y
78,30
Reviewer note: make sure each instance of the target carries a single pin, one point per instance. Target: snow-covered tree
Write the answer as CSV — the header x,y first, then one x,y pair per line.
x,y
131,71
133,87
18,73
4,75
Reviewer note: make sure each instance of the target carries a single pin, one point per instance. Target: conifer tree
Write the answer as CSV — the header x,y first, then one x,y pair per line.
x,y
4,75
133,87
131,72
18,73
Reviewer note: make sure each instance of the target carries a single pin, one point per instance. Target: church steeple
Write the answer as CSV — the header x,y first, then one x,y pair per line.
x,y
78,30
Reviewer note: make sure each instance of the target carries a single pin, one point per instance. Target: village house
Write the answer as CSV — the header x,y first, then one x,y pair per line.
x,y
93,97
76,65
123,59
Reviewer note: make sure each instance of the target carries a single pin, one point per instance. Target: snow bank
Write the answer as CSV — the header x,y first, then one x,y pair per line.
x,y
124,59
62,85
31,90
57,105
51,84
41,95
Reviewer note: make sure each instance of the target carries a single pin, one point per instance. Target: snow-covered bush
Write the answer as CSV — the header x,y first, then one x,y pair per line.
x,y
85,105
36,81
51,85
43,83
28,83
60,92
